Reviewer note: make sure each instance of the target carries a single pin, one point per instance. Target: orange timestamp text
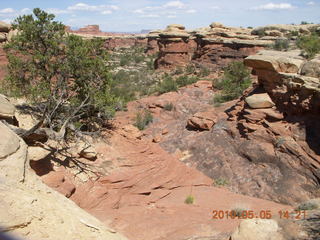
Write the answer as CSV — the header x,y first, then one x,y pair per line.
x,y
262,214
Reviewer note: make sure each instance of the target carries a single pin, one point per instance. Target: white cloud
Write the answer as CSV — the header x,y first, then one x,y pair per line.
x,y
56,11
150,16
215,7
274,6
174,4
103,9
170,10
83,7
311,3
105,12
26,10
191,11
7,10
113,7
140,11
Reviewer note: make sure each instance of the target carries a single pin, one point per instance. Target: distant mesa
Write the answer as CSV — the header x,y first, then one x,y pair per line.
x,y
89,29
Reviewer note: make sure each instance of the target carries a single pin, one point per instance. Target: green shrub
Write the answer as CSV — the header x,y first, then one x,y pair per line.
x,y
168,84
189,200
204,71
190,69
221,182
281,44
308,206
143,119
124,60
309,44
168,107
235,80
178,71
239,212
138,58
150,64
186,80
64,75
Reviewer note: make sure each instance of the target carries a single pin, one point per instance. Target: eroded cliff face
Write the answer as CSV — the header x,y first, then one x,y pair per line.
x,y
214,46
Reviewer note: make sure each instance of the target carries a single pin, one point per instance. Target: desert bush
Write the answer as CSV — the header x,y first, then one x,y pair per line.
x,y
168,107
221,182
168,84
65,76
235,80
189,199
309,44
308,206
190,69
239,212
150,64
178,71
281,45
185,80
124,60
204,71
143,119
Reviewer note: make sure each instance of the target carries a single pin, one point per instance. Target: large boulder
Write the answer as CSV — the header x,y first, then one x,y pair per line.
x,y
262,229
3,37
4,27
9,142
311,68
275,63
261,100
202,120
7,109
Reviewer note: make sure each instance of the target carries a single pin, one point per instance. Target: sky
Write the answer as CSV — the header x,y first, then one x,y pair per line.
x,y
136,15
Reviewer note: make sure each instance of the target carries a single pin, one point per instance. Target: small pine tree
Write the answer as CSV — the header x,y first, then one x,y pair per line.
x,y
65,76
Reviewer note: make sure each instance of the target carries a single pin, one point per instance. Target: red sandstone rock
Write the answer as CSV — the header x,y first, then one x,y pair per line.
x,y
202,120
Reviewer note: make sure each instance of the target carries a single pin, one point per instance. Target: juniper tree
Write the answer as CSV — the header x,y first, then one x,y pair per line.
x,y
64,75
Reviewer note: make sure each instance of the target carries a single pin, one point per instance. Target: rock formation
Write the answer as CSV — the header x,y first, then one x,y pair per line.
x,y
291,81
175,47
215,46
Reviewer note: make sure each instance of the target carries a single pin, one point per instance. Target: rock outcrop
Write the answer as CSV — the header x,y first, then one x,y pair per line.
x,y
175,47
4,31
262,229
291,81
202,120
214,46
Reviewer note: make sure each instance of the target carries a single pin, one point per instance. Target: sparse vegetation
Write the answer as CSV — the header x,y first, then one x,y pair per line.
x,y
185,80
204,71
281,45
189,199
221,182
309,44
239,212
308,206
168,107
168,84
235,80
279,142
143,119
190,69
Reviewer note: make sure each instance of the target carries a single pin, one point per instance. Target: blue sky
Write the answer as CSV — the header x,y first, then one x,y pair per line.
x,y
135,15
